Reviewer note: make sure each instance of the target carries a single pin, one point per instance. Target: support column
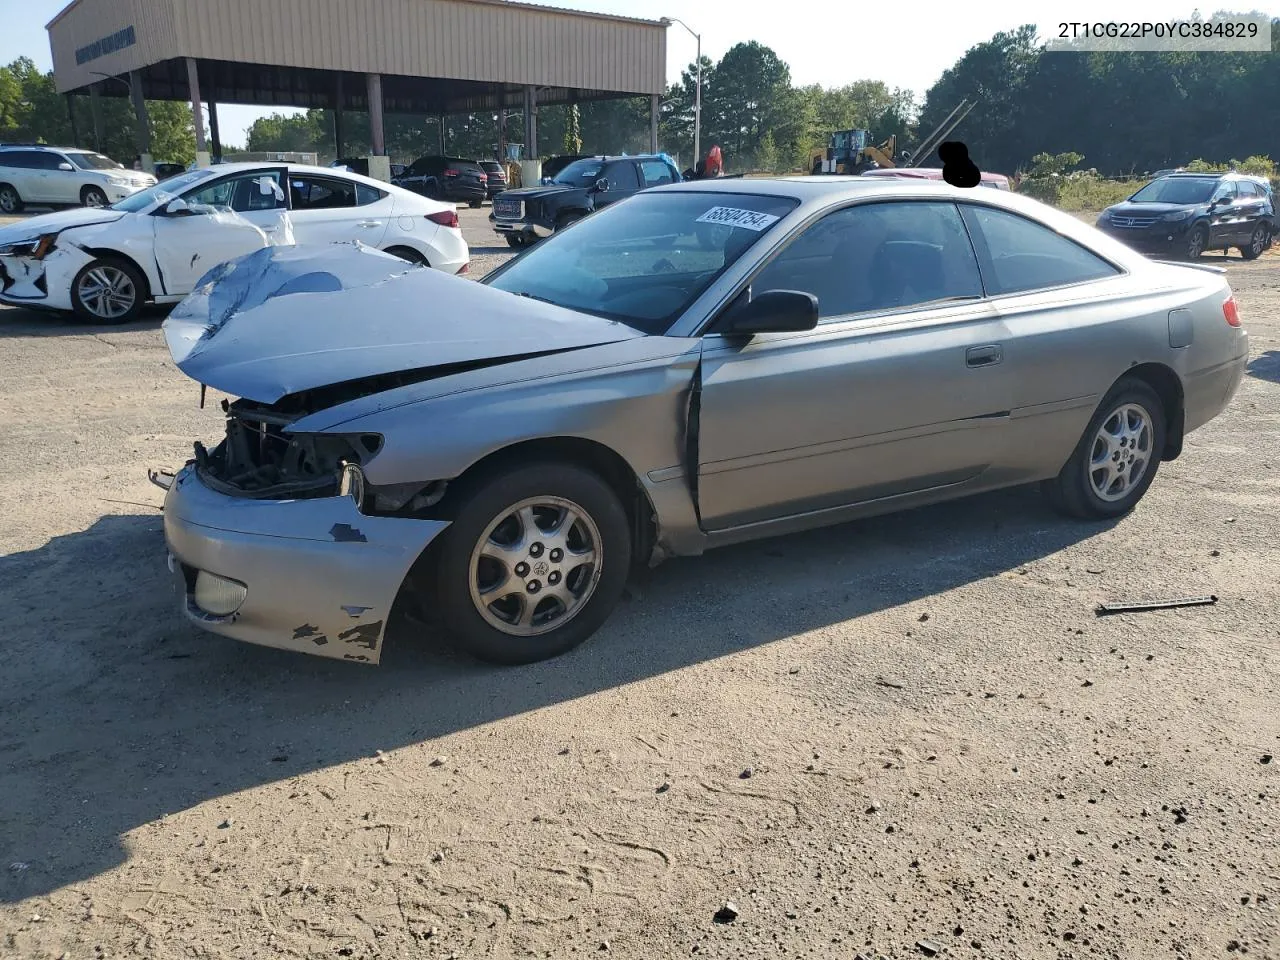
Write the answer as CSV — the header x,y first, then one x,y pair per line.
x,y
71,115
443,118
215,139
653,123
95,110
339,101
531,122
379,162
197,112
143,123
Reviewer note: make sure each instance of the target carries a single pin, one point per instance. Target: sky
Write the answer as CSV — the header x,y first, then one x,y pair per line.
x,y
877,43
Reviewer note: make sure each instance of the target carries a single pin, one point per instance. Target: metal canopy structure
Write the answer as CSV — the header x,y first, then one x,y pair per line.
x,y
431,57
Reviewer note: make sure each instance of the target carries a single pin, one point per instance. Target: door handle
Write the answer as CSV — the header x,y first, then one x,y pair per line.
x,y
367,224
983,356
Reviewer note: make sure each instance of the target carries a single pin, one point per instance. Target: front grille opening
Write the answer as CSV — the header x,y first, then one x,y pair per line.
x,y
257,458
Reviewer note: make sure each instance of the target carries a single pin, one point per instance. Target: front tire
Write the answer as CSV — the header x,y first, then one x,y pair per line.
x,y
516,241
533,563
10,202
1197,241
108,290
1116,459
93,197
1259,240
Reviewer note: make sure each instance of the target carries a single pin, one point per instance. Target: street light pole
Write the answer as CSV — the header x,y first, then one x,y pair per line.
x,y
697,95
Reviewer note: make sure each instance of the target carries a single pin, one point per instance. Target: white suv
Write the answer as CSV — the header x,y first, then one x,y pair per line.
x,y
50,176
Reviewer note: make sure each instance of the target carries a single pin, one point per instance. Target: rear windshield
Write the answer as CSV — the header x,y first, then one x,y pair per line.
x,y
469,165
643,260
1176,190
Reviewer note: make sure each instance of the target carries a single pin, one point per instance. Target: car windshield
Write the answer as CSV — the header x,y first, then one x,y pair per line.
x,y
580,173
162,192
642,261
94,161
1176,190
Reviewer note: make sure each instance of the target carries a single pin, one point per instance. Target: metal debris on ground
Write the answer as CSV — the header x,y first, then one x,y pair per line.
x,y
1106,609
928,947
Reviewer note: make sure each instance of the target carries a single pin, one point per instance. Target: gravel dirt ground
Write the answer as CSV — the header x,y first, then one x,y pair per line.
x,y
892,738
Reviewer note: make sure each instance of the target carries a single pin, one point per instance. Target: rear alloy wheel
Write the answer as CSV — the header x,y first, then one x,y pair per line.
x,y
1196,243
1116,459
1258,242
10,202
108,291
533,563
93,197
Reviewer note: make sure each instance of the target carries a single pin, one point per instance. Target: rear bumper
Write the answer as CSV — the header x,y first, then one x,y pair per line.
x,y
320,576
462,192
1208,392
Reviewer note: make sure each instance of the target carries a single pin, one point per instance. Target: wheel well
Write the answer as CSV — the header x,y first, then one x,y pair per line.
x,y
417,256
588,454
1169,389
103,253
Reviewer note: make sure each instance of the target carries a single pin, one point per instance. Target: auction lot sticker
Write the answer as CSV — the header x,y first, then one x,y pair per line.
x,y
733,217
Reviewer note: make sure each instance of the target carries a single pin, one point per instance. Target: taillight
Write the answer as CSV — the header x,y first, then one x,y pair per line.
x,y
483,177
1231,312
466,268
451,173
446,218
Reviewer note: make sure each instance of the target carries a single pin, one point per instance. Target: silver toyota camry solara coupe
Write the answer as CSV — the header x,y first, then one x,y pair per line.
x,y
702,364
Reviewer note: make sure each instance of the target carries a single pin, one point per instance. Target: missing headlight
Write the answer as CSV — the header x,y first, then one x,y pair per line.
x,y
404,499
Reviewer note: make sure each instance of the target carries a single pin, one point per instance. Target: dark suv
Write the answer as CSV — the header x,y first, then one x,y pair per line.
x,y
451,179
497,175
526,215
1185,214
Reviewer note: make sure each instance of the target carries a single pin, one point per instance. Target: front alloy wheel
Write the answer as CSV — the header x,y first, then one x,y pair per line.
x,y
536,566
1196,243
535,559
107,291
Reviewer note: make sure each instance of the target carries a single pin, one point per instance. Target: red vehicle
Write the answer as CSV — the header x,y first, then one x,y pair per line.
x,y
996,180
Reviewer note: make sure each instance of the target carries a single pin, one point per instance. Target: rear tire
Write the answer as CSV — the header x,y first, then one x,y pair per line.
x,y
509,584
1259,240
108,290
475,204
1116,459
10,202
93,197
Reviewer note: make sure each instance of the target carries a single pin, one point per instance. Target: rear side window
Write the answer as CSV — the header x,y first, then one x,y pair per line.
x,y
321,193
655,173
23,159
622,176
1018,254
366,194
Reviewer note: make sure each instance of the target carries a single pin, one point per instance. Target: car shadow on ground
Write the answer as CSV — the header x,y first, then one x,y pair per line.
x,y
1266,366
118,713
18,322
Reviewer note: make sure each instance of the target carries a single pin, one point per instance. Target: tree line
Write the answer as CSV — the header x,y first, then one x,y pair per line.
x,y
1122,113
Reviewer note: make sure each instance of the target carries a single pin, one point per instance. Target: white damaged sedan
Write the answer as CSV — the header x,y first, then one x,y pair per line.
x,y
106,264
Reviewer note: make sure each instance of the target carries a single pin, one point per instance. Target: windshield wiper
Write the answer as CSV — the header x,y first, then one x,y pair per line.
x,y
534,296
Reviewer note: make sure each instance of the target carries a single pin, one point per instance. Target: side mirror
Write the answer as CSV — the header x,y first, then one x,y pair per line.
x,y
65,166
775,311
602,185
177,207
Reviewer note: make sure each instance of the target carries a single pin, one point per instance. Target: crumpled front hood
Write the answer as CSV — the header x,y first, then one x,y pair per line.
x,y
57,222
285,319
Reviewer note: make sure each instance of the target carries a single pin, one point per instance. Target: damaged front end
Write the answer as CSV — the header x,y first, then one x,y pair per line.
x,y
33,267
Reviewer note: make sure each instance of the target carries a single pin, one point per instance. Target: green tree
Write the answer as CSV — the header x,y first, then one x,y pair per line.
x,y
767,154
573,131
748,96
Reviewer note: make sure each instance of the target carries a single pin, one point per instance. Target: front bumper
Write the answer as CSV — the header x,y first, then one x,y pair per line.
x,y
116,192
1160,237
321,577
523,227
28,282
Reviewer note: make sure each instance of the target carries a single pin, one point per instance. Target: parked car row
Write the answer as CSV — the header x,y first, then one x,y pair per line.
x,y
154,246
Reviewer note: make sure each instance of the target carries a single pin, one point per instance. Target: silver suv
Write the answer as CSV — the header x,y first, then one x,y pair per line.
x,y
52,176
